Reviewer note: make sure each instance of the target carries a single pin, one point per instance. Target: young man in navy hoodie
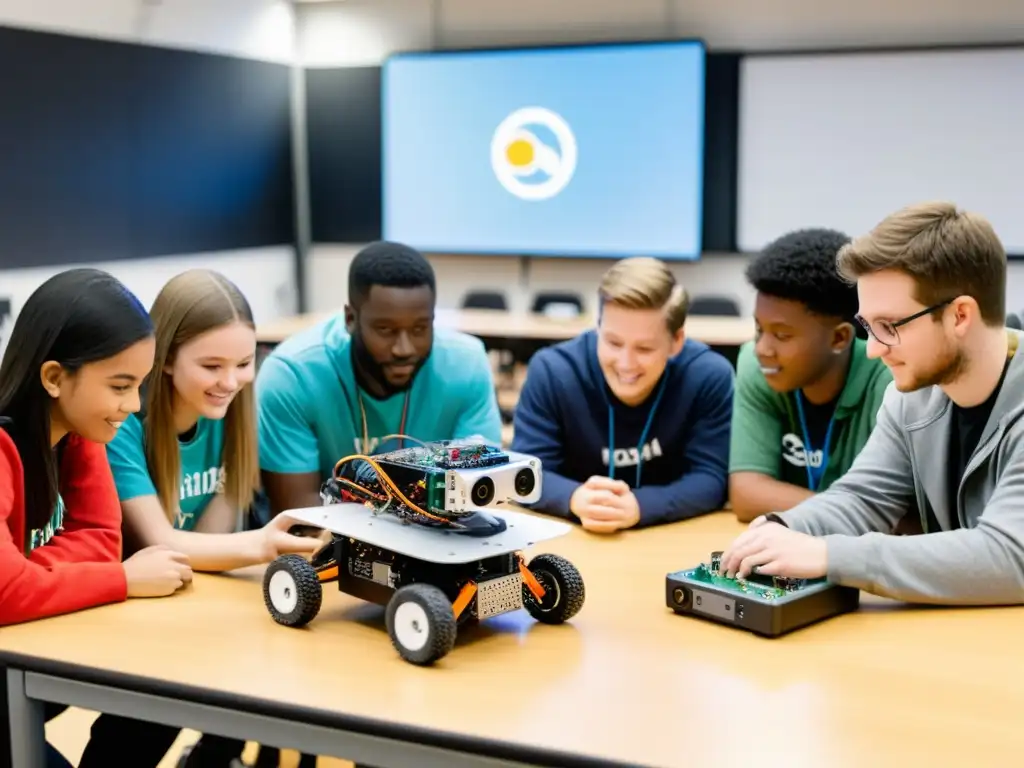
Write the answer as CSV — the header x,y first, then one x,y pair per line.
x,y
630,420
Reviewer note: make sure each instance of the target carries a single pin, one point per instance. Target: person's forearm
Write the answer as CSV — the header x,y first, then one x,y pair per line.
x,y
979,566
556,495
753,495
218,552
694,494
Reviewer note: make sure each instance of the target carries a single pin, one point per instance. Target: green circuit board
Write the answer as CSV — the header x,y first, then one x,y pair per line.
x,y
704,575
757,586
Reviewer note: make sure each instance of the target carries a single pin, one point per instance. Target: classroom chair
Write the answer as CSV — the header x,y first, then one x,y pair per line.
x,y
548,302
484,300
721,306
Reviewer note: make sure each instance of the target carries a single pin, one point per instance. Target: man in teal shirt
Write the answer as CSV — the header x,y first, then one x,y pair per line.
x,y
348,384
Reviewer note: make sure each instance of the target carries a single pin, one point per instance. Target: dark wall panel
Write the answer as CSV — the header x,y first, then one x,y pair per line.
x,y
118,151
343,116
721,150
344,135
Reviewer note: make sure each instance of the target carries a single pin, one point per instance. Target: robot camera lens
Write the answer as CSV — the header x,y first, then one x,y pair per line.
x,y
483,491
525,482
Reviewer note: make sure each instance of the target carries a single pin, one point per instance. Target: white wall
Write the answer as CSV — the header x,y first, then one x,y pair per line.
x,y
254,29
264,275
365,32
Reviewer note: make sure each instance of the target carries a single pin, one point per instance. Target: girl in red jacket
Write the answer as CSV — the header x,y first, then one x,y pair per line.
x,y
80,348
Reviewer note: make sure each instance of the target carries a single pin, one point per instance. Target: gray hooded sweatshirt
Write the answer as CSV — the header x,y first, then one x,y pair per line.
x,y
903,467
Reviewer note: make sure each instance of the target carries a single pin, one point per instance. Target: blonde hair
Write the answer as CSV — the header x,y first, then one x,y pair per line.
x,y
191,304
947,252
643,282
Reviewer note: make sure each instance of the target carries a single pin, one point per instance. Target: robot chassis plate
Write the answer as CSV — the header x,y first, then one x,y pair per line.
x,y
429,580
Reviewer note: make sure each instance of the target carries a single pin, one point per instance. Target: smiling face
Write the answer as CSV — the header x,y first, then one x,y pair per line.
x,y
795,347
929,351
94,401
210,369
633,349
396,327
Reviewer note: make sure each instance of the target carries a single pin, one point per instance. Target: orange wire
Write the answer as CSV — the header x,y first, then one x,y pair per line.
x,y
389,484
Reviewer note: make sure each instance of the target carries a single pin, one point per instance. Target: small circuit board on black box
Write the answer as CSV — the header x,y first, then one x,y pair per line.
x,y
764,605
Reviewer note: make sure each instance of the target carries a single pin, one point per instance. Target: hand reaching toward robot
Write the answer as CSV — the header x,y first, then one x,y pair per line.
x,y
277,541
604,505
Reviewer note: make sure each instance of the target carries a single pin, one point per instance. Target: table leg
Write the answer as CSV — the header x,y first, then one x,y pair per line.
x,y
28,724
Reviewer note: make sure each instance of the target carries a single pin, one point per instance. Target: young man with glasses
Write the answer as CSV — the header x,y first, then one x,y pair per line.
x,y
949,440
806,392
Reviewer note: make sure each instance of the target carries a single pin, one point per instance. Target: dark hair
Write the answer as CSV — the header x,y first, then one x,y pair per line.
x,y
389,264
801,266
76,317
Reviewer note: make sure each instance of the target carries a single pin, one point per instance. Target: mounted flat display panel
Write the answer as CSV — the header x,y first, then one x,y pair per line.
x,y
842,140
114,151
593,151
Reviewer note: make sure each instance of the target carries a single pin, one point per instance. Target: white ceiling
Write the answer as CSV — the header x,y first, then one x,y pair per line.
x,y
724,24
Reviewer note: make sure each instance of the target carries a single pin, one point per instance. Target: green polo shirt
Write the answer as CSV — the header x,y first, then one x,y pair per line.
x,y
767,434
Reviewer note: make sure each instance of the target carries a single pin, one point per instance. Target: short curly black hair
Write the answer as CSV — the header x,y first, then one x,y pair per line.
x,y
389,264
801,266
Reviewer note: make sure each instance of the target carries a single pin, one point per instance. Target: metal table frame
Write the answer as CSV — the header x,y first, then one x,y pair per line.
x,y
33,682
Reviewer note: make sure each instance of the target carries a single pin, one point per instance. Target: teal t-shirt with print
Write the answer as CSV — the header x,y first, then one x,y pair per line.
x,y
202,473
311,409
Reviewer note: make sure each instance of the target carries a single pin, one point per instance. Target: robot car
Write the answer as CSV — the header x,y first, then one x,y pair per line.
x,y
418,530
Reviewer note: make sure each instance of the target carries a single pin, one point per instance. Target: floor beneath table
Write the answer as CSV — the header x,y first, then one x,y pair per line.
x,y
69,733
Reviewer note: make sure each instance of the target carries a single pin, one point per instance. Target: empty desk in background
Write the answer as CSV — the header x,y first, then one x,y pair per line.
x,y
498,324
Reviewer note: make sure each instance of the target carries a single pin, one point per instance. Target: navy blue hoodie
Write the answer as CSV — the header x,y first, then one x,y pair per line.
x,y
672,450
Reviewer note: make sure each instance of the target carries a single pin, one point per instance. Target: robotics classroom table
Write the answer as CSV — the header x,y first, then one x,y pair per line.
x,y
627,682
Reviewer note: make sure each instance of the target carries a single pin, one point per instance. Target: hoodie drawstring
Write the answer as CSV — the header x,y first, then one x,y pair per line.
x,y
643,435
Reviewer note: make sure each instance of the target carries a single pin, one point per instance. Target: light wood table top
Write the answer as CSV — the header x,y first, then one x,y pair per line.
x,y
626,679
723,331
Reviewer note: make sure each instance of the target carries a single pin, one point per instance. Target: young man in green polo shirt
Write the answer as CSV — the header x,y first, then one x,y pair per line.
x,y
806,392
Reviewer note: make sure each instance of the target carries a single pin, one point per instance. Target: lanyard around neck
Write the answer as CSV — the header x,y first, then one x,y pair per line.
x,y
814,475
643,435
366,429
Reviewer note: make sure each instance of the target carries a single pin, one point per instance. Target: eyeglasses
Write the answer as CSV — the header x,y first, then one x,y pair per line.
x,y
885,332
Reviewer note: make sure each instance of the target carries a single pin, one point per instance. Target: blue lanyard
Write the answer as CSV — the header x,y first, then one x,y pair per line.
x,y
643,435
814,474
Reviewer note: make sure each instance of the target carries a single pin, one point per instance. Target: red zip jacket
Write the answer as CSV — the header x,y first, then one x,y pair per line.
x,y
81,566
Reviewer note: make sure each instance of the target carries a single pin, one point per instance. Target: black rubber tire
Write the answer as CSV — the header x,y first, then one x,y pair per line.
x,y
306,585
440,626
563,586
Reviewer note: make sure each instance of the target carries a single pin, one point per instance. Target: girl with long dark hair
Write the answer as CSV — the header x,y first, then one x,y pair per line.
x,y
79,350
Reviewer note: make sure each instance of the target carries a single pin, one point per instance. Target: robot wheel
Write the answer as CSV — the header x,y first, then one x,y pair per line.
x,y
421,623
292,591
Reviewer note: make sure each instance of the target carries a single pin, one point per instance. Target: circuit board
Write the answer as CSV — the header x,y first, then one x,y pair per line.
x,y
765,605
447,454
446,484
758,586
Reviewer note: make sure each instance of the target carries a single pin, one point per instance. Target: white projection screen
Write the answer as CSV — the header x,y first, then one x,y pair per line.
x,y
842,140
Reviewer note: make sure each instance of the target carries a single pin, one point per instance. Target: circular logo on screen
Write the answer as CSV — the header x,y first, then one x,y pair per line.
x,y
533,153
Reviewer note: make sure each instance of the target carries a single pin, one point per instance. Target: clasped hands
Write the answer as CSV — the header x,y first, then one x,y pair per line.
x,y
775,550
604,505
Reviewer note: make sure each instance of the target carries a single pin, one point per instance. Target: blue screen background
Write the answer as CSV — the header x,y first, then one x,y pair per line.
x,y
637,112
